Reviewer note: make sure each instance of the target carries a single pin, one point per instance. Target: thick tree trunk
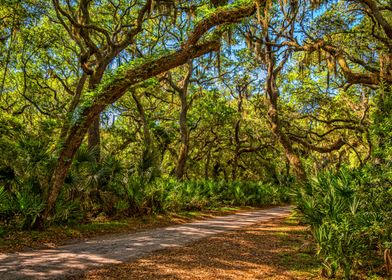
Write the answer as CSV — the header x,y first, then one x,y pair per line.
x,y
273,117
242,90
184,131
181,162
94,138
285,142
207,165
64,162
94,131
149,159
182,90
236,151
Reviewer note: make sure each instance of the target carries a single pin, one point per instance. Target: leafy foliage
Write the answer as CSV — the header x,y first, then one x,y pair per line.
x,y
350,214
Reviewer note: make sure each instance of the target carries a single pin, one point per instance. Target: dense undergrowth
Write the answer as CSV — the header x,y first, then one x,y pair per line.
x,y
20,207
350,213
110,188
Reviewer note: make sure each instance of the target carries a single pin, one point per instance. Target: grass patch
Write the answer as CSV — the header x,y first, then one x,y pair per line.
x,y
298,253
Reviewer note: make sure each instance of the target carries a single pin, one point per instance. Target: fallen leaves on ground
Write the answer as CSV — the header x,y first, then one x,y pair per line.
x,y
279,249
51,237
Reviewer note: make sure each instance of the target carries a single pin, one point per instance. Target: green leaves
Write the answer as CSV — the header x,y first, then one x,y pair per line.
x,y
21,207
29,206
5,202
346,218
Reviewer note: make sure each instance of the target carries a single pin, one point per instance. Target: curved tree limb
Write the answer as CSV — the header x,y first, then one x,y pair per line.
x,y
335,146
119,85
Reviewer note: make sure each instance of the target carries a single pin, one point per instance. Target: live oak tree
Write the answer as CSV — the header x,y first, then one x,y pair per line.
x,y
181,88
275,40
113,89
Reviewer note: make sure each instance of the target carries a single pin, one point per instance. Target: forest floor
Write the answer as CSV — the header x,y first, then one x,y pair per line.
x,y
217,252
279,249
12,240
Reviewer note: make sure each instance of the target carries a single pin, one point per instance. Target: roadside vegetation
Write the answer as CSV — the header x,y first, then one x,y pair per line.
x,y
21,207
351,222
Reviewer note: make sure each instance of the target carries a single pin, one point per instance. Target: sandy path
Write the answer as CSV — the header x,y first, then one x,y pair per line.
x,y
58,263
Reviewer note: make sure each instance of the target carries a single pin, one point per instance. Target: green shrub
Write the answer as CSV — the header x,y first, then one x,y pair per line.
x,y
168,194
29,207
350,215
20,207
7,207
67,212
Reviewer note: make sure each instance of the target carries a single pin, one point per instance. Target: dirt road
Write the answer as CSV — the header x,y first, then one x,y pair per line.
x,y
58,263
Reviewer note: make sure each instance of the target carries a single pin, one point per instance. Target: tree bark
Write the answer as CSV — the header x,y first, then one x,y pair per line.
x,y
94,138
236,150
94,131
149,159
181,161
285,142
242,92
272,93
182,90
184,132
207,165
273,118
184,147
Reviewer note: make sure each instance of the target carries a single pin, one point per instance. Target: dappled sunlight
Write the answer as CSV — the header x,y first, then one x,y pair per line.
x,y
245,254
111,250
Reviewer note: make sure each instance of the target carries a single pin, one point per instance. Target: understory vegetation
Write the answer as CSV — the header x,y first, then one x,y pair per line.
x,y
350,217
117,195
118,108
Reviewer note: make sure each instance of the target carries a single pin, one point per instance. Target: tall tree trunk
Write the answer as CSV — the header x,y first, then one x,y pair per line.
x,y
207,165
273,118
184,131
285,142
149,159
272,94
236,151
94,131
209,155
242,92
182,90
94,138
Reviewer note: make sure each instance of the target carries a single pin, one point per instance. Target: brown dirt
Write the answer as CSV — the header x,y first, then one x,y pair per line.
x,y
53,237
280,249
74,259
